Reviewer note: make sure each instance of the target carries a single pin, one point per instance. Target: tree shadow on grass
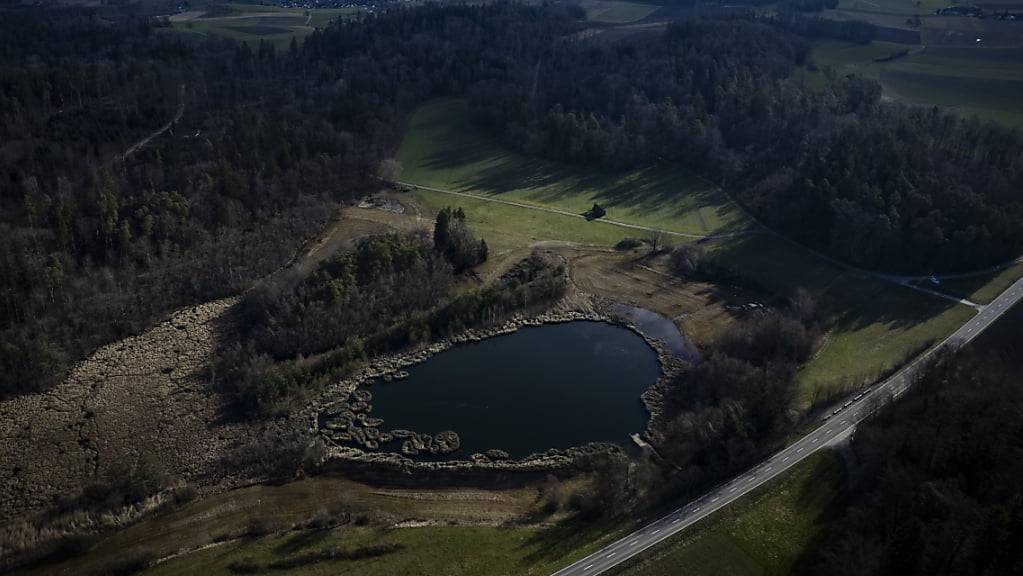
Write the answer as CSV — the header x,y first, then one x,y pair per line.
x,y
559,541
300,540
457,145
825,512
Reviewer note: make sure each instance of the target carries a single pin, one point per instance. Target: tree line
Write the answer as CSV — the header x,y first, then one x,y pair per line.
x,y
936,473
95,246
876,184
300,331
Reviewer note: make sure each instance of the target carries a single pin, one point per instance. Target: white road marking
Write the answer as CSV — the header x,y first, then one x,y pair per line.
x,y
785,459
633,543
610,555
656,531
588,567
715,500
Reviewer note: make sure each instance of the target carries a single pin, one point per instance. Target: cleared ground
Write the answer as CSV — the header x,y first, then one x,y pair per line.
x,y
764,534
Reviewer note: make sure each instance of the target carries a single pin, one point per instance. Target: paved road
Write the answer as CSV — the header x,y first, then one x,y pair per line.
x,y
840,423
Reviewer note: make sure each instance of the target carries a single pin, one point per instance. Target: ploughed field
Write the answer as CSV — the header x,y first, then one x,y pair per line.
x,y
551,386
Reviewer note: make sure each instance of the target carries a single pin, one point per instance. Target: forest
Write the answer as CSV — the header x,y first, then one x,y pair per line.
x,y
99,238
876,184
391,291
96,245
936,479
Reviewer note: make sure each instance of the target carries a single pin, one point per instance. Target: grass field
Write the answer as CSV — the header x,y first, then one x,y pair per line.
x,y
982,81
442,149
874,325
423,551
766,533
877,327
616,11
973,66
447,531
253,23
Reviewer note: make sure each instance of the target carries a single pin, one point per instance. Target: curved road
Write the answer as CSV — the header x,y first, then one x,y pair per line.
x,y
839,424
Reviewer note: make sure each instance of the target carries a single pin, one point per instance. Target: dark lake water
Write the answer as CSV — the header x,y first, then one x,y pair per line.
x,y
551,386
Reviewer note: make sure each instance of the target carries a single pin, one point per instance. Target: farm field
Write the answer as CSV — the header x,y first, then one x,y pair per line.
x,y
616,11
255,23
984,288
908,7
874,325
442,149
766,533
983,81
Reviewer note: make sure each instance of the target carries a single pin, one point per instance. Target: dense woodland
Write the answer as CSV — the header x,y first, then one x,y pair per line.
x,y
936,483
95,246
876,184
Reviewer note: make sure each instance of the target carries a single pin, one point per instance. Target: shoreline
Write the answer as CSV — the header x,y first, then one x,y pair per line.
x,y
390,367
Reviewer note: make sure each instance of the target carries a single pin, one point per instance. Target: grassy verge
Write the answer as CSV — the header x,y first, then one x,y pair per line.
x,y
982,289
441,149
457,531
507,227
765,533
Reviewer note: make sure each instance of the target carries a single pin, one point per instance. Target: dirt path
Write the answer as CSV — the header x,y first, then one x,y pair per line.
x,y
177,116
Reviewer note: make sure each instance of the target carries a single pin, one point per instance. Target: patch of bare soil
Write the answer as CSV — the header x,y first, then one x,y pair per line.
x,y
699,309
147,394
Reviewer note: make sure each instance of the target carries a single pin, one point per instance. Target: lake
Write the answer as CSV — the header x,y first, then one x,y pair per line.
x,y
550,386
